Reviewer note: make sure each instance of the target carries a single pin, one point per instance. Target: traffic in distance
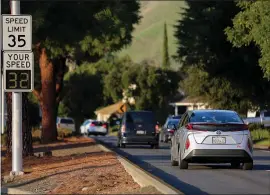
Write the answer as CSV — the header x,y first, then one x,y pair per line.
x,y
197,136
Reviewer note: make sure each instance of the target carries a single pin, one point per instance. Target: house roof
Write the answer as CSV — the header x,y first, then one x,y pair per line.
x,y
110,109
189,100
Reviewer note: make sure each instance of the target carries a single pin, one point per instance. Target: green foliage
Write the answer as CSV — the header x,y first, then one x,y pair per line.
x,y
155,86
166,58
89,26
226,77
83,94
260,134
252,26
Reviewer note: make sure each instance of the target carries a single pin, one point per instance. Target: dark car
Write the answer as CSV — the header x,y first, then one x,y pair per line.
x,y
138,127
167,130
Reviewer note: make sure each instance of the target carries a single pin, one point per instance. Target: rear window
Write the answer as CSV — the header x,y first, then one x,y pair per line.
x,y
173,122
176,117
215,117
67,121
140,117
97,123
267,114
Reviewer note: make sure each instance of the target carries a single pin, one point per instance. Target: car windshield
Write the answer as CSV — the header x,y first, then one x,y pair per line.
x,y
140,117
215,117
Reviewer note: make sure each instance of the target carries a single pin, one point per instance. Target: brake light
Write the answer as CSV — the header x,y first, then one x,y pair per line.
x,y
171,131
123,129
187,144
156,127
192,127
189,126
104,125
92,125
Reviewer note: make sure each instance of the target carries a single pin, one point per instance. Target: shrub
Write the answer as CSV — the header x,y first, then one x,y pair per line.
x,y
252,127
62,133
260,134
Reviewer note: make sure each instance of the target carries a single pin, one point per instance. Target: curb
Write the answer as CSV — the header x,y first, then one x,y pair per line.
x,y
14,191
266,148
142,177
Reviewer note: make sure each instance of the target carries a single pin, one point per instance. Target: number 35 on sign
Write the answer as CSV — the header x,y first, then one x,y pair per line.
x,y
18,71
17,32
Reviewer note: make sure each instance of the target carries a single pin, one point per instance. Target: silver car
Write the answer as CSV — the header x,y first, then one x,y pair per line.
x,y
212,136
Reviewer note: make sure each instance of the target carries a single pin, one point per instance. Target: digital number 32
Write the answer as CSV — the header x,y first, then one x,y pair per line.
x,y
20,41
22,81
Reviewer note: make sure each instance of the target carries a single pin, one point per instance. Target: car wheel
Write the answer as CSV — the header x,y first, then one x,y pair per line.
x,y
235,165
248,166
173,162
182,163
121,144
118,143
166,139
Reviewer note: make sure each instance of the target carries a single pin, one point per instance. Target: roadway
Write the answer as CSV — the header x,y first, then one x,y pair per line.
x,y
199,179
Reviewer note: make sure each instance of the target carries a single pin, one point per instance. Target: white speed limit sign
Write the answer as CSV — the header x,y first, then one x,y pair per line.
x,y
17,32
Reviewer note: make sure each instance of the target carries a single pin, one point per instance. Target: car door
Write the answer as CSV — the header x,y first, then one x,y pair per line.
x,y
176,136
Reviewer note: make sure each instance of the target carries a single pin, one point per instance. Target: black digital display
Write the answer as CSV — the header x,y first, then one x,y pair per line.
x,y
18,79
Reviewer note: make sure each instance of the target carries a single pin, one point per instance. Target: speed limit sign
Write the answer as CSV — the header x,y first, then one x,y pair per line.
x,y
17,32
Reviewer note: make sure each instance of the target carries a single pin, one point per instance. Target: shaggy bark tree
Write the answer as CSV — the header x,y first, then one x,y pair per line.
x,y
26,128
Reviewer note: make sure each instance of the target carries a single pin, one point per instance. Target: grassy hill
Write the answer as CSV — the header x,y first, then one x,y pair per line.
x,y
148,35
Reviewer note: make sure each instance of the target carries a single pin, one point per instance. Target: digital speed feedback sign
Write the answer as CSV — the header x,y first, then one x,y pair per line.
x,y
18,59
18,69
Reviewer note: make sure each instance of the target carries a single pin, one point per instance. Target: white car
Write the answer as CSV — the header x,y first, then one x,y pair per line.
x,y
93,127
65,123
212,136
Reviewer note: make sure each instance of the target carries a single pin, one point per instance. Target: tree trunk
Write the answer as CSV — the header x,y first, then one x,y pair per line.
x,y
48,101
26,128
9,124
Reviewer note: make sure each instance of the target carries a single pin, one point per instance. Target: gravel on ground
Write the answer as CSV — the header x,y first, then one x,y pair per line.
x,y
78,170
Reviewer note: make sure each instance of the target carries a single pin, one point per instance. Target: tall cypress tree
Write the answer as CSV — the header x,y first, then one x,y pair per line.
x,y
166,58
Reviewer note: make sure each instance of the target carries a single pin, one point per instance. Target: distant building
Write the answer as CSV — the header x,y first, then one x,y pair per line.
x,y
105,113
188,103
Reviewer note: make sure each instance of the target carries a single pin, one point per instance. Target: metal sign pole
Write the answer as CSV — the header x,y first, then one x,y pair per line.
x,y
1,76
17,144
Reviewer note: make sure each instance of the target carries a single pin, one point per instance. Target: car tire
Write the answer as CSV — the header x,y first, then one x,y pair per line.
x,y
154,146
235,165
173,162
118,143
248,166
182,163
121,144
166,139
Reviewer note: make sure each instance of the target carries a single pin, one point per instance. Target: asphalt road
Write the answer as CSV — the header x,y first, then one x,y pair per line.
x,y
199,179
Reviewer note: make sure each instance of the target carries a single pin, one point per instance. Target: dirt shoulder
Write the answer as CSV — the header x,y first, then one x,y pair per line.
x,y
74,170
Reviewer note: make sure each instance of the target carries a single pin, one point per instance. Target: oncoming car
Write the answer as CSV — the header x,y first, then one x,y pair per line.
x,y
212,136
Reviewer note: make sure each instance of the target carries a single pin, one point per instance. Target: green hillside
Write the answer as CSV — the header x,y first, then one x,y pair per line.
x,y
148,35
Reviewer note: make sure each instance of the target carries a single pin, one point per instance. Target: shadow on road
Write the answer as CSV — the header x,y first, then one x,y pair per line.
x,y
168,178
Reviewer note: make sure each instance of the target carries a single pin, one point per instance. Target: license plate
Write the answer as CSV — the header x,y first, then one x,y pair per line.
x,y
219,140
140,132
